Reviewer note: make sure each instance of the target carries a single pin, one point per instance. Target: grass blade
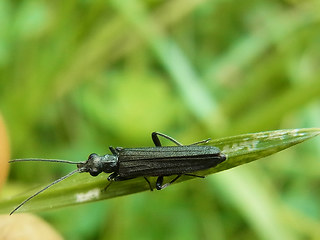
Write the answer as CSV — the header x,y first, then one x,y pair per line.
x,y
83,188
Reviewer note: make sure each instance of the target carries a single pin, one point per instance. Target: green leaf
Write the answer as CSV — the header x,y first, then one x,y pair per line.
x,y
82,188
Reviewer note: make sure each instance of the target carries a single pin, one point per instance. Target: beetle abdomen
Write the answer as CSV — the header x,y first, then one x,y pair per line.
x,y
165,161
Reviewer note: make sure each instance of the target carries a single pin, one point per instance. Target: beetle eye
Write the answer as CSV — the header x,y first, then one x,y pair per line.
x,y
94,173
92,155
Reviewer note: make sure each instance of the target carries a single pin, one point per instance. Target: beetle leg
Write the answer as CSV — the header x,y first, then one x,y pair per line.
x,y
159,185
193,175
112,176
107,186
157,142
119,178
113,151
202,141
148,183
115,177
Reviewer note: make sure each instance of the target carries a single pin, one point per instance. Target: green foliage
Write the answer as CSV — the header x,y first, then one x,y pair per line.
x,y
77,76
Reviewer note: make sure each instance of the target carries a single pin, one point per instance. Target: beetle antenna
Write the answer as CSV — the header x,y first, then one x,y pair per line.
x,y
42,160
56,181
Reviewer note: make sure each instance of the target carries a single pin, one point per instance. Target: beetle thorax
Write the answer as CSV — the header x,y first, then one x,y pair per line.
x,y
97,164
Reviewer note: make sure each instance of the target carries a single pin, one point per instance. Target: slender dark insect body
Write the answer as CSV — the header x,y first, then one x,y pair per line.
x,y
159,161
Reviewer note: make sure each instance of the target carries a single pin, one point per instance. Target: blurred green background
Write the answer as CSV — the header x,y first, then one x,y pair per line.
x,y
78,76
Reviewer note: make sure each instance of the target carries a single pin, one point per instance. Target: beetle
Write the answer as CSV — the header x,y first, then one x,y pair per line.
x,y
158,161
